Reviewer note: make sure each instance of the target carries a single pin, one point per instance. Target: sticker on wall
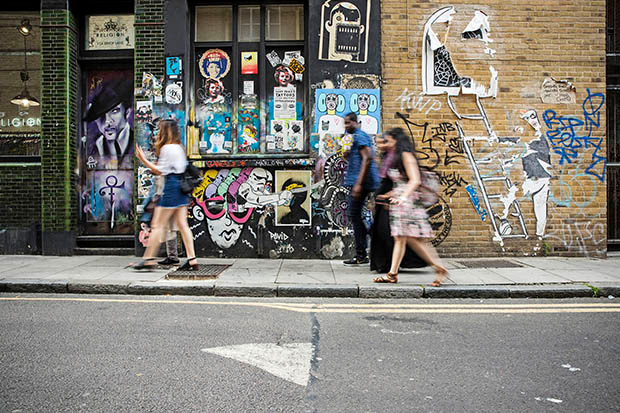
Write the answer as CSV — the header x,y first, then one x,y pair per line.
x,y
284,103
144,111
295,138
292,55
174,67
297,210
296,66
557,91
249,130
174,93
214,64
212,92
284,76
344,31
248,87
249,63
273,58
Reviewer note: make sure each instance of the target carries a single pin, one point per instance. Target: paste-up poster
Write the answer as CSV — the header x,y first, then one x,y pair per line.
x,y
284,103
344,31
333,104
279,133
217,135
249,63
248,130
297,211
295,135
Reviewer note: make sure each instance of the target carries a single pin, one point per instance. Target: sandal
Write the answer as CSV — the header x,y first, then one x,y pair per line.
x,y
389,278
144,266
442,273
189,267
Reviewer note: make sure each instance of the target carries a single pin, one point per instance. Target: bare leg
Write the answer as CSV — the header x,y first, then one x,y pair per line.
x,y
428,253
161,217
180,216
398,253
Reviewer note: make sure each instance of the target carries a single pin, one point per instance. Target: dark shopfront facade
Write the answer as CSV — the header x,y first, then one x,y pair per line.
x,y
260,89
240,80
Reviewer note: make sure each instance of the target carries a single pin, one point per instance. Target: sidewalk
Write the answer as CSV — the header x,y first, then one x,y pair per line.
x,y
536,277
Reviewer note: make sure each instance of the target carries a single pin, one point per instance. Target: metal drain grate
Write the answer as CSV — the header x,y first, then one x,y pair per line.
x,y
206,272
489,264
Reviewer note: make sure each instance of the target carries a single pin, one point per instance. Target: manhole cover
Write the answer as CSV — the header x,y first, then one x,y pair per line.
x,y
489,264
207,271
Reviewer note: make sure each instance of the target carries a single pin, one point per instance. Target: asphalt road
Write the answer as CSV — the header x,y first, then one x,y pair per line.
x,y
135,353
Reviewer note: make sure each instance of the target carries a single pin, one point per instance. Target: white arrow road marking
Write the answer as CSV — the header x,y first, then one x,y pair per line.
x,y
290,362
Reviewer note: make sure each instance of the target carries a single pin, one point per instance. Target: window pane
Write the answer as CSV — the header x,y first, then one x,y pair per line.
x,y
285,23
213,24
249,24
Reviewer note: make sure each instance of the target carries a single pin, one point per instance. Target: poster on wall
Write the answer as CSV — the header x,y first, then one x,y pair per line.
x,y
297,211
217,134
249,130
110,32
249,63
174,67
214,64
284,103
331,105
345,28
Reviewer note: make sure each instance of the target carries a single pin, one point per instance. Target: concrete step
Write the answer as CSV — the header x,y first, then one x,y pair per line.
x,y
104,251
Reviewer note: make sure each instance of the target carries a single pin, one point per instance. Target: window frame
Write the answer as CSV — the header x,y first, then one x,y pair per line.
x,y
262,62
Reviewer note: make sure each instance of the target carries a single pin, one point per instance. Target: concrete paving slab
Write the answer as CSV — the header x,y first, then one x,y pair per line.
x,y
545,263
306,265
477,276
134,276
528,276
257,263
26,273
294,277
582,275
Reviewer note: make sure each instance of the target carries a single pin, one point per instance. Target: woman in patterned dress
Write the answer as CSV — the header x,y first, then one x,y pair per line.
x,y
408,218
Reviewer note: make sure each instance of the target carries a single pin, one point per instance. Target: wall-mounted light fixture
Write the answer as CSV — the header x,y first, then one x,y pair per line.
x,y
24,99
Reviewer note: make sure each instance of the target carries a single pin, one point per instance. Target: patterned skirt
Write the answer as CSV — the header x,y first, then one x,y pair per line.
x,y
409,219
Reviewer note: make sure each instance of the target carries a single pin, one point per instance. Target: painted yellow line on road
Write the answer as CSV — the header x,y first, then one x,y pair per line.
x,y
462,308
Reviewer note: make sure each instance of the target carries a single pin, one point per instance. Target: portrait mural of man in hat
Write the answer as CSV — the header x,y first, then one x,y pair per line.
x,y
110,141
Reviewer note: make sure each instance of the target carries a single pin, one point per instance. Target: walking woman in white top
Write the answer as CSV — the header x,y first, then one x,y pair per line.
x,y
173,203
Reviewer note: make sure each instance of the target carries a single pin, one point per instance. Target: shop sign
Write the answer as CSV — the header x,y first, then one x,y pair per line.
x,y
20,122
110,32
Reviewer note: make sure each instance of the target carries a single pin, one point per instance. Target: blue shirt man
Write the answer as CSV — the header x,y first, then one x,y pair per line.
x,y
362,178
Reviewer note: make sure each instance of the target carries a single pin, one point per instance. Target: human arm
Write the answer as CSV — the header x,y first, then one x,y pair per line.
x,y
142,157
366,154
413,176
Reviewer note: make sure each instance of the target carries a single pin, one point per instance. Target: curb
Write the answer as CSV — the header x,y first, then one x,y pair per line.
x,y
221,289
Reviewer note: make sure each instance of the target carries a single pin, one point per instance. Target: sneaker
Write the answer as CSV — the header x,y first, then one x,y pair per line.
x,y
354,262
169,261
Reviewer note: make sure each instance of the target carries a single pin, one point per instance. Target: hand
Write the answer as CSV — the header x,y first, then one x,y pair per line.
x,y
140,154
396,201
356,191
385,196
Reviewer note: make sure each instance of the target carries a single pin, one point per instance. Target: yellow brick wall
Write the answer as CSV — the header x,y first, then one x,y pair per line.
x,y
533,40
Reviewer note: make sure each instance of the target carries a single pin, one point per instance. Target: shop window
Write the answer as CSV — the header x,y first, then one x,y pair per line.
x,y
213,24
20,60
249,91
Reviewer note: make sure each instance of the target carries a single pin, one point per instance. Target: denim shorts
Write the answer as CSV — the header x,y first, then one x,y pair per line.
x,y
172,196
